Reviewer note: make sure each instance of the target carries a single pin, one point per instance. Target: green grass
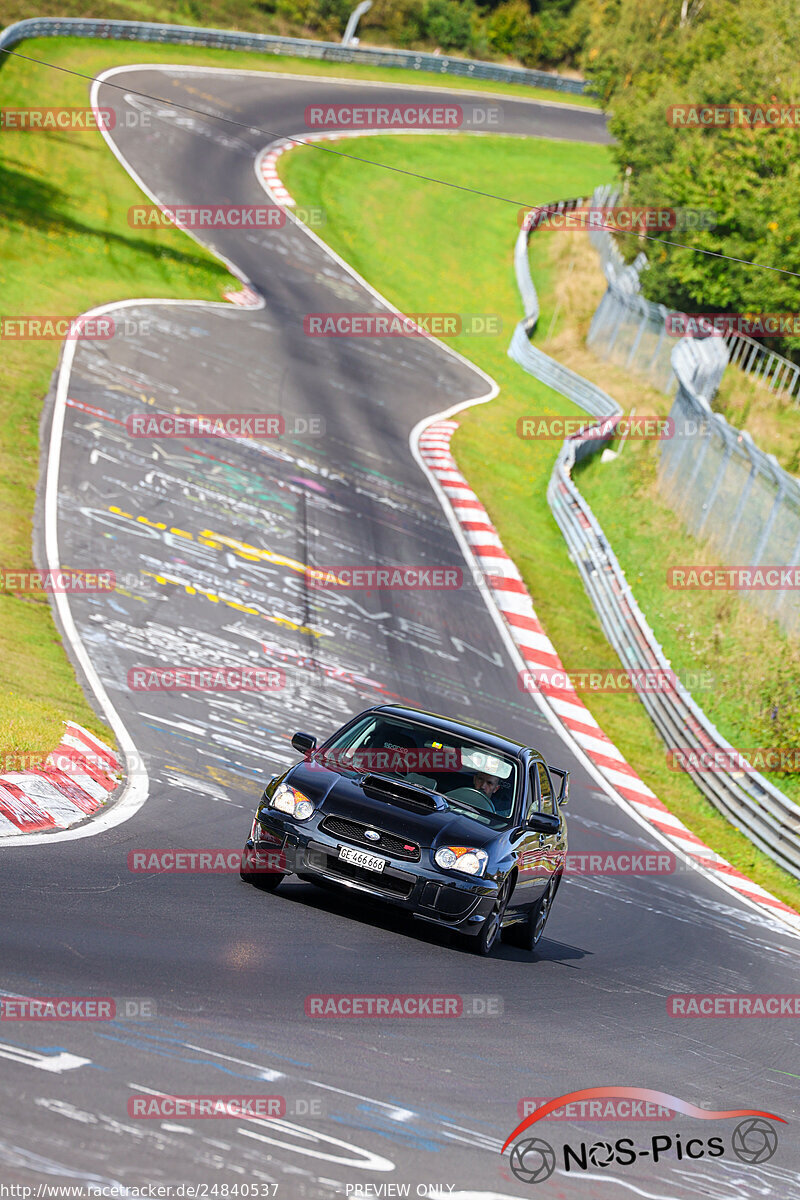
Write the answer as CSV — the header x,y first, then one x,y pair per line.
x,y
316,22
772,420
65,246
455,254
92,55
755,667
752,667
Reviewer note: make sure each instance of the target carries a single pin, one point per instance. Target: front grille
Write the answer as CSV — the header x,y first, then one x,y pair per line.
x,y
378,880
389,843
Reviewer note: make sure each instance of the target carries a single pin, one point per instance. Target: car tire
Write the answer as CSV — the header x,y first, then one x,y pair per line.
x,y
485,941
528,934
263,880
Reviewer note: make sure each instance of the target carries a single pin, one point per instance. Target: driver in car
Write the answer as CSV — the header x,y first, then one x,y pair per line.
x,y
487,784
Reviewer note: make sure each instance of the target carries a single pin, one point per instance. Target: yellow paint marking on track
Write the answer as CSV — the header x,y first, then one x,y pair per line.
x,y
191,590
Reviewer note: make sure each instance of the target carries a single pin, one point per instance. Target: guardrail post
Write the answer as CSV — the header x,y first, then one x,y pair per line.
x,y
635,344
662,333
698,462
749,800
768,524
794,561
712,495
777,378
737,516
267,43
355,17
619,313
793,384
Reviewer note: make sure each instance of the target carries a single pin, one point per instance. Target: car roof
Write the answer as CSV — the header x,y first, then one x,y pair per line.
x,y
459,728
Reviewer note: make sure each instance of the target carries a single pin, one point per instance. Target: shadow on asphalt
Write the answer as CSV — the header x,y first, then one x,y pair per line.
x,y
337,902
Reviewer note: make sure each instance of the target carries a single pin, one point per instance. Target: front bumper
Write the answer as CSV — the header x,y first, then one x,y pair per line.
x,y
419,888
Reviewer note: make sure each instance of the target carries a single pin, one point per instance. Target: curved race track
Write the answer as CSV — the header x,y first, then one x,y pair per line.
x,y
422,1102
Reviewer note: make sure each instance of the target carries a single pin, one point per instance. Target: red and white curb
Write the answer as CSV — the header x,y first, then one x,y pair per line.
x,y
246,298
75,780
511,599
267,161
267,170
514,603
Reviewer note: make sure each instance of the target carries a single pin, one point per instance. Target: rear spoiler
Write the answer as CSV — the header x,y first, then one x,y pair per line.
x,y
562,777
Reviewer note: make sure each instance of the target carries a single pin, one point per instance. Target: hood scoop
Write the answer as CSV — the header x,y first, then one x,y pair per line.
x,y
379,787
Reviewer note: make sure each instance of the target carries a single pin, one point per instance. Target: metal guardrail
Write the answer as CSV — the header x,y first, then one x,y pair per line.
x,y
748,800
230,39
729,492
769,818
632,331
726,489
764,365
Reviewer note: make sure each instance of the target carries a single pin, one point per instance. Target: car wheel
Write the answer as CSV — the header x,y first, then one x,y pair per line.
x,y
265,881
528,936
489,935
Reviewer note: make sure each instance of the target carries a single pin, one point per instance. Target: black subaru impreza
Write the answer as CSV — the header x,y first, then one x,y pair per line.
x,y
456,825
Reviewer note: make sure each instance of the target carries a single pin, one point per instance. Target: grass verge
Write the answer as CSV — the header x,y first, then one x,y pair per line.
x,y
65,246
92,55
438,268
773,420
752,665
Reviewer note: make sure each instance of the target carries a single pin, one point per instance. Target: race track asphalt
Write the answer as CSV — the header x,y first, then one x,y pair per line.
x,y
226,968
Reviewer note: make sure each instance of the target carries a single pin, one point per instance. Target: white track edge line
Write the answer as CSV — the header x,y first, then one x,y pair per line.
x,y
785,920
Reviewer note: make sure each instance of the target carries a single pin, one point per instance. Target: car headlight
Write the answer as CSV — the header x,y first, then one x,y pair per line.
x,y
288,800
461,858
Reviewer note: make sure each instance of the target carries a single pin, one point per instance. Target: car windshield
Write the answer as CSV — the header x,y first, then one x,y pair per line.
x,y
472,777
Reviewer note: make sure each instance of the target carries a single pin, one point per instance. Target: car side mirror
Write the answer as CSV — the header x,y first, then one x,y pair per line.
x,y
304,743
563,796
547,823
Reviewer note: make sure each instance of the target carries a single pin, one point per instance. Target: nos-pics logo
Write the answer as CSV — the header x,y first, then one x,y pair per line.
x,y
533,1159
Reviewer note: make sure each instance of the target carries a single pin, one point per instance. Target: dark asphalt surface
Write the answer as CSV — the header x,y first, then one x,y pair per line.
x,y
206,535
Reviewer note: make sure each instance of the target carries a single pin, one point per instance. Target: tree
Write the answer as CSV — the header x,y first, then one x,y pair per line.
x,y
643,58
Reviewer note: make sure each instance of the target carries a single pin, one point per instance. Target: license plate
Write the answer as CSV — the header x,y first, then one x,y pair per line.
x,y
360,858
